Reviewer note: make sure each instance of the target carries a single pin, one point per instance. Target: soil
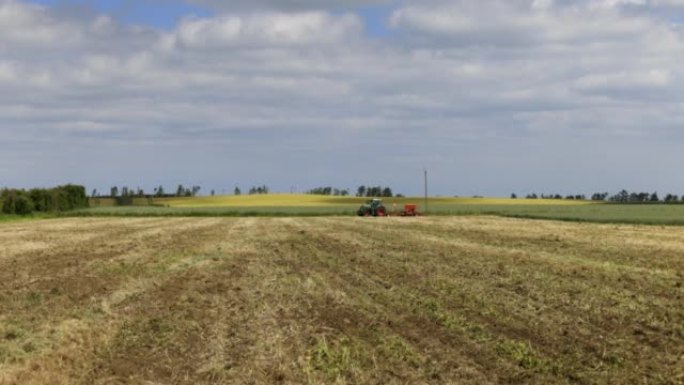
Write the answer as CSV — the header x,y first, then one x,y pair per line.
x,y
424,300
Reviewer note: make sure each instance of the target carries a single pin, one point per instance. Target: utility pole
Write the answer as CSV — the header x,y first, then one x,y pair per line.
x,y
426,190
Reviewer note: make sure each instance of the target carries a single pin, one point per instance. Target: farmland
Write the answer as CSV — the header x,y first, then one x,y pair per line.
x,y
311,205
340,300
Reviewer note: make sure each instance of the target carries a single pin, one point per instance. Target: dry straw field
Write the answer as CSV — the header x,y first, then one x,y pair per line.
x,y
448,300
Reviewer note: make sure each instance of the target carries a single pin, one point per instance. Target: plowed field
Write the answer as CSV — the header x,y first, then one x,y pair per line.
x,y
464,300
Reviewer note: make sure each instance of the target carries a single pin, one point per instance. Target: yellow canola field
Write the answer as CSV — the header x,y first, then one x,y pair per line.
x,y
302,200
270,200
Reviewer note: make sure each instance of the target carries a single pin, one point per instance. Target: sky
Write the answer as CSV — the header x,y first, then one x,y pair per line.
x,y
492,97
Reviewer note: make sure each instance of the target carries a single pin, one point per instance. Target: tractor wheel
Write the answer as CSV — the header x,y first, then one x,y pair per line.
x,y
381,212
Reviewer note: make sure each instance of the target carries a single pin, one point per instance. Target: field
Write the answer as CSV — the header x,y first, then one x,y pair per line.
x,y
311,205
300,201
340,300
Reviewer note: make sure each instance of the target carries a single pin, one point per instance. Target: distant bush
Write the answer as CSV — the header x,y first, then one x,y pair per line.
x,y
76,197
328,191
374,192
16,202
259,190
43,199
62,198
23,205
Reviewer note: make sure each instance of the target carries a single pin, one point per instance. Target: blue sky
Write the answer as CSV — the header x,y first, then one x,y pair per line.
x,y
166,14
376,18
492,97
155,13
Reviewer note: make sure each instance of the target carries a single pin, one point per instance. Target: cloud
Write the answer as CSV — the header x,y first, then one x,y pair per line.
x,y
623,82
520,22
266,29
275,90
287,5
640,3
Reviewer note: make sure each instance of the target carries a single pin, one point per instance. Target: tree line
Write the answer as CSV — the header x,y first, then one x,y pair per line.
x,y
331,191
375,192
579,197
124,195
159,192
258,190
361,191
623,196
57,199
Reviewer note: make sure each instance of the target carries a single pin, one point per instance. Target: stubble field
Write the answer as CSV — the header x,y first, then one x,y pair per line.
x,y
446,300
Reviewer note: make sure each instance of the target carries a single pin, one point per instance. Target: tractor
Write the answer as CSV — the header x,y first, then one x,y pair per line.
x,y
372,208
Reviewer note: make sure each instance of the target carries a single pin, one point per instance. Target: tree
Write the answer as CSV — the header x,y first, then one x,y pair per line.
x,y
195,190
42,199
258,190
322,191
114,192
361,191
213,192
387,192
180,191
94,193
373,191
513,196
23,205
654,197
61,198
599,196
16,202
159,191
237,191
621,197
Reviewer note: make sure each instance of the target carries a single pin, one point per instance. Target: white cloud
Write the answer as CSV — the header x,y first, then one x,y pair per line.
x,y
520,22
622,81
454,80
266,29
15,18
649,3
7,73
287,5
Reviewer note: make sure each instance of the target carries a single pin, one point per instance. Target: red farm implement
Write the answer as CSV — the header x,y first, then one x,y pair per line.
x,y
375,208
410,210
